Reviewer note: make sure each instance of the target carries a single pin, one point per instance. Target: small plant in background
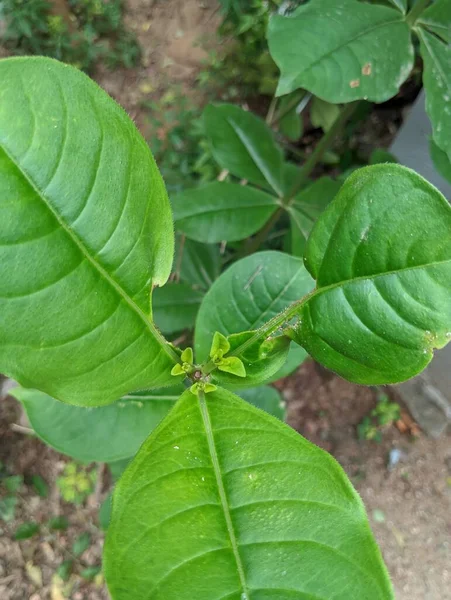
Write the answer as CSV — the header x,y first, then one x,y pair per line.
x,y
383,415
76,483
86,32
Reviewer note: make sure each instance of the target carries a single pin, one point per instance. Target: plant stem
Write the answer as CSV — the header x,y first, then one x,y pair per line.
x,y
271,111
416,11
294,102
323,145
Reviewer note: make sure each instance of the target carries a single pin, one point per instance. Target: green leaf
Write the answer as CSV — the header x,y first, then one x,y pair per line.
x,y
91,572
267,398
437,18
101,434
26,531
323,114
105,512
220,345
81,544
247,295
243,144
59,523
380,308
291,124
437,83
296,356
65,569
306,207
200,263
380,155
441,160
86,232
339,49
225,501
40,486
222,212
232,365
13,483
401,4
175,307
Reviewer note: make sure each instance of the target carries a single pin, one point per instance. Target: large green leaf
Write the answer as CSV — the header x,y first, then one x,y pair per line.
x,y
222,211
380,308
307,206
101,434
342,50
437,18
296,356
85,233
200,264
248,294
437,82
243,144
225,501
175,307
401,4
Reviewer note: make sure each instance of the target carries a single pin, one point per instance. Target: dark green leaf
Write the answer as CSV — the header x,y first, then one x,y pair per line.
x,y
222,211
59,523
291,124
81,544
243,144
339,49
40,485
437,82
441,160
86,232
105,512
200,263
101,434
65,569
175,307
267,398
225,501
90,572
306,207
296,356
380,308
8,508
380,155
26,530
437,18
323,114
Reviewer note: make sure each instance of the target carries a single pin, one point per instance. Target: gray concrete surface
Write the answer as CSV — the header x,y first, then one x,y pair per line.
x,y
428,396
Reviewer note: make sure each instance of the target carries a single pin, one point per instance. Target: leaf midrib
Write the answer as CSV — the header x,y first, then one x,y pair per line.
x,y
221,490
84,251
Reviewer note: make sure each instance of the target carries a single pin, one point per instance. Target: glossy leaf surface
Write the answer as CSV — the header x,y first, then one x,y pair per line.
x,y
337,49
380,308
248,294
175,307
85,233
243,144
222,211
225,501
437,18
437,82
97,434
267,398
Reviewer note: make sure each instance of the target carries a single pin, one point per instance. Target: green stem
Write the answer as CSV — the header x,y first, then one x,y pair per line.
x,y
416,11
294,102
323,145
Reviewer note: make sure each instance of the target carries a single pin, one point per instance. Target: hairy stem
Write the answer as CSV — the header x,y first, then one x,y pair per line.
x,y
416,11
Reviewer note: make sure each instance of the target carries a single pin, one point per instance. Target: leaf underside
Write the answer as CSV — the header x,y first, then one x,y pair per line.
x,y
224,501
86,231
